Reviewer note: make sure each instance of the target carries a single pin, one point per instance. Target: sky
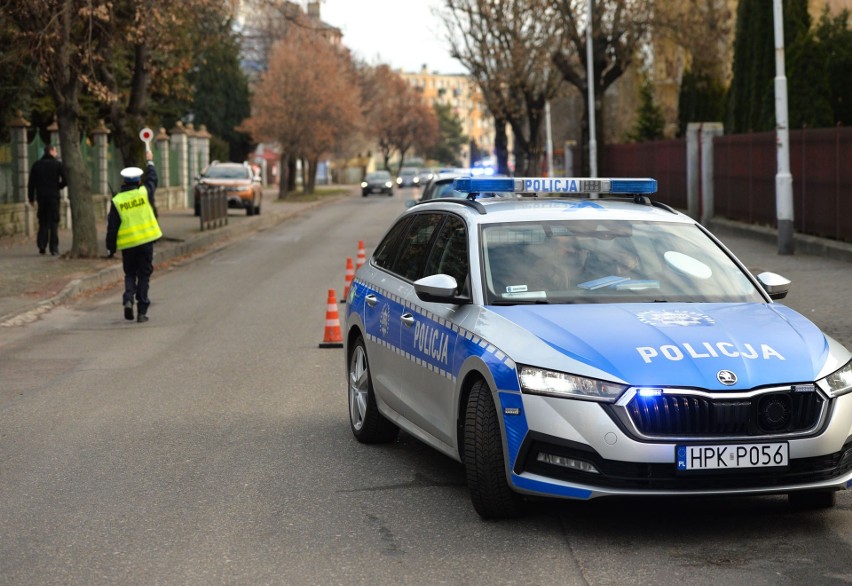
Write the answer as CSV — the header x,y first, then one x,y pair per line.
x,y
401,33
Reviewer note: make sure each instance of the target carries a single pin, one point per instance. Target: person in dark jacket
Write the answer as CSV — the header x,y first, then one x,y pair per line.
x,y
132,228
47,178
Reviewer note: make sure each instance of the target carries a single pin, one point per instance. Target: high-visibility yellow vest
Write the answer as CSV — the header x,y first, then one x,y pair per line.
x,y
138,223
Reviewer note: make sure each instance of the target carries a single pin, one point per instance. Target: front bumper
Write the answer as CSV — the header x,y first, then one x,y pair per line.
x,y
584,431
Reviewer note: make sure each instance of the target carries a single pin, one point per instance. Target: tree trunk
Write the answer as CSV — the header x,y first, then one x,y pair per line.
x,y
84,229
501,146
283,176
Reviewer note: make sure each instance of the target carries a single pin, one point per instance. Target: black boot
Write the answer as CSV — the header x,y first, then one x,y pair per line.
x,y
128,310
142,318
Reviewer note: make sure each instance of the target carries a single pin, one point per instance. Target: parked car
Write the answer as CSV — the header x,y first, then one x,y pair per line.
x,y
575,348
441,185
408,177
377,182
241,186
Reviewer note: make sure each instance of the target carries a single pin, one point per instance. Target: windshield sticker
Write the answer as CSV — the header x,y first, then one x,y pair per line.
x,y
675,318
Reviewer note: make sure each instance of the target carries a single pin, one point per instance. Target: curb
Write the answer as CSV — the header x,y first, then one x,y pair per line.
x,y
215,239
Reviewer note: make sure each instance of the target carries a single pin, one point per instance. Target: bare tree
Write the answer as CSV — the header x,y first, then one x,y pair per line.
x,y
304,102
619,27
395,115
507,46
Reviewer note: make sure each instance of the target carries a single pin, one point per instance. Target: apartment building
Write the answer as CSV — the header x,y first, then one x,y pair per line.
x,y
462,95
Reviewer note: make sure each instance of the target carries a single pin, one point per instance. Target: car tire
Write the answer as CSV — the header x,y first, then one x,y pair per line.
x,y
390,193
483,458
811,500
364,194
368,425
250,210
256,210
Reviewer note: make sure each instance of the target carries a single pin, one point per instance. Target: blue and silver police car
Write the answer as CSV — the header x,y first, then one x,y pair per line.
x,y
566,346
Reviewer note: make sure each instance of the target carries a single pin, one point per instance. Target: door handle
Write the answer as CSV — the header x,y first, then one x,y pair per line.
x,y
371,300
407,319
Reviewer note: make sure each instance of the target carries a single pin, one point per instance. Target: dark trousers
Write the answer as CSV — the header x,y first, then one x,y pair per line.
x,y
138,263
48,224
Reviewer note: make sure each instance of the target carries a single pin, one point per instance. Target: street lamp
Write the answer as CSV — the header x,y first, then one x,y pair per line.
x,y
783,177
590,81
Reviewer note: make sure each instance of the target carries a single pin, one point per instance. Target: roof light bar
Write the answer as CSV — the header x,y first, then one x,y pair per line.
x,y
554,185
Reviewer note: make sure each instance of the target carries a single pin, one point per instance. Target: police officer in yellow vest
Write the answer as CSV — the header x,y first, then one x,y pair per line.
x,y
132,228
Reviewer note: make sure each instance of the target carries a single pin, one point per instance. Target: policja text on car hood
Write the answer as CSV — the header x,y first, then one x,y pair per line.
x,y
680,344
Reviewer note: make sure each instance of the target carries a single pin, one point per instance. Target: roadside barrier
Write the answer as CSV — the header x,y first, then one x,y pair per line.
x,y
213,205
332,338
362,256
350,274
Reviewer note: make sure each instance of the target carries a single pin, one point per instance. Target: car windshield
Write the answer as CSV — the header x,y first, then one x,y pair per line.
x,y
226,172
378,176
580,261
408,173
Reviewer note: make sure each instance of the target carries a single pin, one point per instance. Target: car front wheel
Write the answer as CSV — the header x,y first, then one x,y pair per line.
x,y
368,425
483,458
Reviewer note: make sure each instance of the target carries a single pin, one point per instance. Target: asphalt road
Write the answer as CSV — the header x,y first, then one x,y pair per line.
x,y
212,446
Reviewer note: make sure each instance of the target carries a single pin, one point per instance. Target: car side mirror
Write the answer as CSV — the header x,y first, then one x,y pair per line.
x,y
775,285
439,288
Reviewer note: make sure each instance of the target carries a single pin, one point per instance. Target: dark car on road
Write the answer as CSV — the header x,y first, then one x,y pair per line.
x,y
377,182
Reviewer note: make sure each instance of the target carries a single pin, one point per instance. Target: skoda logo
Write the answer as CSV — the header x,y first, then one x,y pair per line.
x,y
726,377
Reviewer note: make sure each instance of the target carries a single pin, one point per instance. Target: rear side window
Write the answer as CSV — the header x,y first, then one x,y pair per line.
x,y
414,246
388,248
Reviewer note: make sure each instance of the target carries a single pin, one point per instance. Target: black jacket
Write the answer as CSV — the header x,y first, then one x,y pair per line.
x,y
47,177
114,219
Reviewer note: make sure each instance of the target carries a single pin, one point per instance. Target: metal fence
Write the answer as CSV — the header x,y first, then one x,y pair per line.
x,y
744,176
664,160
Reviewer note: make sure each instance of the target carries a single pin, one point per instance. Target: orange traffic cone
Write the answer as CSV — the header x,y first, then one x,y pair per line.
x,y
332,338
350,274
362,256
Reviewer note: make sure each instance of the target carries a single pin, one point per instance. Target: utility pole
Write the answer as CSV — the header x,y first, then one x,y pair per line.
x,y
783,177
590,81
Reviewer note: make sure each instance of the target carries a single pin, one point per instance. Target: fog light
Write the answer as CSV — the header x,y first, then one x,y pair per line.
x,y
571,463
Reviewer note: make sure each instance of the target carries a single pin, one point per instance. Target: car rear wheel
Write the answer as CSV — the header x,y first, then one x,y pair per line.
x,y
483,458
368,425
810,500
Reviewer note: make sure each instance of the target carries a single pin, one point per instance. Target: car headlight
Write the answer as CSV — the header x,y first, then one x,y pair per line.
x,y
838,382
363,184
388,184
399,180
538,381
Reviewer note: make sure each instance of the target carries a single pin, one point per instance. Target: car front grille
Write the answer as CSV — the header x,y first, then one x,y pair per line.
x,y
636,476
691,415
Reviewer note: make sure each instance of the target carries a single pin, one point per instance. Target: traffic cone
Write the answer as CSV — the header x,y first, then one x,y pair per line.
x,y
350,274
362,256
332,337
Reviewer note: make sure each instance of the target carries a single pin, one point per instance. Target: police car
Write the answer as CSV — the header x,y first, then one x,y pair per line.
x,y
573,347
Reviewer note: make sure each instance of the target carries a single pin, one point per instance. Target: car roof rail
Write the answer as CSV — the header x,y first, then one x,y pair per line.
x,y
471,203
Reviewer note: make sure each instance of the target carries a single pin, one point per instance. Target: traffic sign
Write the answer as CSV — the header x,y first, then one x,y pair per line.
x,y
146,135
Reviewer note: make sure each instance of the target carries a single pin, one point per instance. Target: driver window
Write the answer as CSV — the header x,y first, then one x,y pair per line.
x,y
449,254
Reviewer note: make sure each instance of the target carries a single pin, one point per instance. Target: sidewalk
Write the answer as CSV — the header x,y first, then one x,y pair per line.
x,y
31,283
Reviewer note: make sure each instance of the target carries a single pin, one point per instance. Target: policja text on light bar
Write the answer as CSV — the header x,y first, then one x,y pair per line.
x,y
554,185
